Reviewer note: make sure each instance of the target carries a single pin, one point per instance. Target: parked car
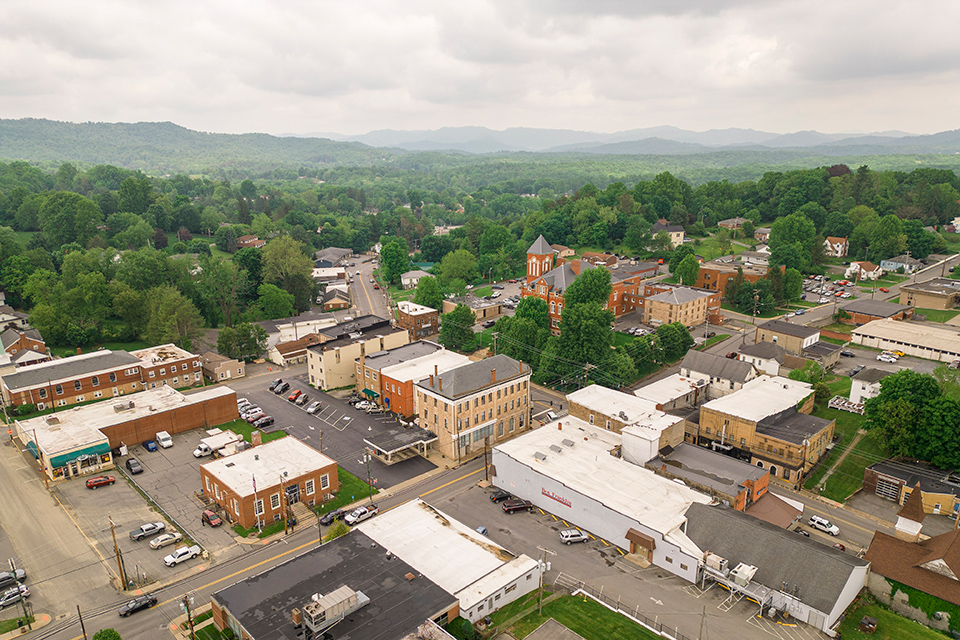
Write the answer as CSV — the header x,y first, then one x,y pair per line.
x,y
182,554
376,286
253,417
314,406
150,445
137,604
885,290
732,355
302,400
328,519
883,357
210,518
497,286
857,369
276,383
166,539
8,579
839,547
495,295
164,439
14,595
294,395
280,390
569,536
895,352
100,481
510,506
360,514
799,312
711,334
147,530
265,421
249,411
848,354
824,525
499,495
486,324
133,466
202,450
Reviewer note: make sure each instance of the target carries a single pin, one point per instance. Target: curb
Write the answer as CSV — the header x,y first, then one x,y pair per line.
x,y
39,621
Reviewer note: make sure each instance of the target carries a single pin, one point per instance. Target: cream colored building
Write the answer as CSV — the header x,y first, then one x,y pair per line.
x,y
332,364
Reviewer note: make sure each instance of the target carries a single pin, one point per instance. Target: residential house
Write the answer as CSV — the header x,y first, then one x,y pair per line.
x,y
169,364
866,384
294,352
930,566
762,234
11,318
734,482
733,224
331,257
217,368
250,242
938,293
257,487
24,346
863,270
723,376
561,251
336,299
897,479
767,422
411,279
674,392
766,357
420,320
755,259
600,259
835,247
683,304
799,340
675,231
863,311
331,364
904,262
475,405
75,379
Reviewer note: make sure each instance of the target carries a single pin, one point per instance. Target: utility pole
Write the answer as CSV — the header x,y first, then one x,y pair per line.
x,y
82,628
283,505
186,606
495,334
116,551
703,620
366,459
486,466
543,567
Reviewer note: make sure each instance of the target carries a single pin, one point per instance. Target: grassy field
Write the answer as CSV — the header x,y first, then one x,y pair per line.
x,y
709,248
351,489
64,351
243,429
890,626
938,315
480,292
12,624
712,341
586,617
621,339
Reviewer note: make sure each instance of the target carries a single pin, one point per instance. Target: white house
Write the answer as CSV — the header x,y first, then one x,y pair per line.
x,y
863,270
410,279
866,384
835,247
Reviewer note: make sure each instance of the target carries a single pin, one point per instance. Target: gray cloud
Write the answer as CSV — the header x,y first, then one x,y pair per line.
x,y
603,65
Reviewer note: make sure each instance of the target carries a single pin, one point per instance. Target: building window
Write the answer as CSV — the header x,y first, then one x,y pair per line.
x,y
591,418
98,394
275,501
59,389
608,425
257,507
309,487
325,481
61,403
113,377
43,393
163,371
153,374
95,381
76,385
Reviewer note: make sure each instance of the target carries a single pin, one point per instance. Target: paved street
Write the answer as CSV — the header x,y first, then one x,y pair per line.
x,y
368,301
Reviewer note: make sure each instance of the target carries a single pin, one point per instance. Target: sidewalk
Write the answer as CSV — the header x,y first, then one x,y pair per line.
x,y
40,620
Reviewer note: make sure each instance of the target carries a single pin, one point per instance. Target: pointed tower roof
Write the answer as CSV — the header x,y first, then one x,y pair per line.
x,y
541,247
912,508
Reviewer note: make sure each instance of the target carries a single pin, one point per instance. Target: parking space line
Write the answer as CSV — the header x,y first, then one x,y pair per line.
x,y
605,543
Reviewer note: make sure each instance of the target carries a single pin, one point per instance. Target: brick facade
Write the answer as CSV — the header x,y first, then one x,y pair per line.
x,y
210,413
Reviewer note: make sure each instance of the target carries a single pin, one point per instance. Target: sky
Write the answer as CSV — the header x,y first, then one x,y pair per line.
x,y
596,65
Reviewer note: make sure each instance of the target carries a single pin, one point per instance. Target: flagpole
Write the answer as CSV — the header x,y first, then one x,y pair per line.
x,y
259,525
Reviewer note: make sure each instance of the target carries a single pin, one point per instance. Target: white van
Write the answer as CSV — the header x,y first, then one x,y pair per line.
x,y
164,439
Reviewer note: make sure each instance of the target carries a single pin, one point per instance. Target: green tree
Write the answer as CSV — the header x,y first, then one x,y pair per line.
x,y
250,260
223,284
226,239
585,333
172,318
68,217
337,530
591,286
274,302
429,293
459,265
246,341
810,372
535,310
107,634
135,195
724,244
688,270
888,238
793,285
456,329
285,263
679,254
393,261
735,285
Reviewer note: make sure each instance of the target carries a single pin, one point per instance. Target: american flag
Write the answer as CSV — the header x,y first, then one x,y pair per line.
x,y
254,483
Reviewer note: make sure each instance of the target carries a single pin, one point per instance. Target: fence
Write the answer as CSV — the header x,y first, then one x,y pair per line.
x,y
153,503
841,403
577,587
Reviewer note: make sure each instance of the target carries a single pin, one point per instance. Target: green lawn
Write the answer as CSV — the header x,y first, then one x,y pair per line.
x,y
243,429
890,626
621,339
9,625
351,489
889,278
268,530
839,327
709,248
938,315
480,292
64,351
712,341
584,616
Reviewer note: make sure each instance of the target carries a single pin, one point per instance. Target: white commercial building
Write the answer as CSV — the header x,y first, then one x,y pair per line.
x,y
921,340
567,467
480,573
674,392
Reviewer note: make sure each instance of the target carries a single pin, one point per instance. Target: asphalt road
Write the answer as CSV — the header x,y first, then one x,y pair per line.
x,y
366,299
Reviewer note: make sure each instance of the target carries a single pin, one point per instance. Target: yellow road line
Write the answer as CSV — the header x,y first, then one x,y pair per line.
x,y
89,541
838,519
449,483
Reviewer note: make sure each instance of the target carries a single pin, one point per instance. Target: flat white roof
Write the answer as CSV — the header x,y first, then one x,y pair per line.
x,y
414,309
446,551
286,457
629,409
762,397
587,467
160,354
910,333
420,368
667,389
68,429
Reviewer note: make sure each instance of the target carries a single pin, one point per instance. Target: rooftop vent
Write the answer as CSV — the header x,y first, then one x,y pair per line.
x,y
540,457
556,449
52,420
567,443
230,464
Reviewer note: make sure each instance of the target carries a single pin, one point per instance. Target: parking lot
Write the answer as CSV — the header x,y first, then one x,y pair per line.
x,y
868,358
654,592
337,429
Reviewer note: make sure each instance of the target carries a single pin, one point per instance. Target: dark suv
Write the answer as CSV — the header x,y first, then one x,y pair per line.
x,y
281,388
517,505
499,495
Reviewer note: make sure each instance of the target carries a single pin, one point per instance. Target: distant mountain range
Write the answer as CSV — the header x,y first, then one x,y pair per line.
x,y
653,140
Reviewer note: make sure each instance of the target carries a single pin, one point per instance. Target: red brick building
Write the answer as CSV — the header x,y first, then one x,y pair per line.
x,y
14,341
168,364
260,484
76,379
419,320
250,242
715,274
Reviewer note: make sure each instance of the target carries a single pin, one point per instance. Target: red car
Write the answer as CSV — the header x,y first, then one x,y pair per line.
x,y
211,518
100,481
512,281
884,289
376,286
293,396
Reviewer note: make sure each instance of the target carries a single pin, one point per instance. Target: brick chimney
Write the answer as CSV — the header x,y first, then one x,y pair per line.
x,y
493,375
435,372
575,265
440,383
256,438
431,380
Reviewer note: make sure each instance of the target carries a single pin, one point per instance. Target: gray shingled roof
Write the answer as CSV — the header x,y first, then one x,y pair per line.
x,y
560,278
540,247
473,377
680,295
817,571
790,329
390,357
877,308
332,255
716,366
765,350
871,375
67,368
11,335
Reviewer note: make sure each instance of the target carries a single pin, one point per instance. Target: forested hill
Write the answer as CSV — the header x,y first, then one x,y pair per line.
x,y
164,147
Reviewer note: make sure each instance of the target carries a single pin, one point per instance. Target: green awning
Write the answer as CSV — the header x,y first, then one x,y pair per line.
x,y
371,393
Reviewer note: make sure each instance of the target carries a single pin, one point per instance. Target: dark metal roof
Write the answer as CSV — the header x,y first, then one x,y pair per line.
x,y
876,308
792,426
262,603
872,375
398,439
390,357
765,350
790,329
540,247
931,479
816,571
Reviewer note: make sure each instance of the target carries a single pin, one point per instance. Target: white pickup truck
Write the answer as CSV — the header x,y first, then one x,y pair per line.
x,y
181,554
360,514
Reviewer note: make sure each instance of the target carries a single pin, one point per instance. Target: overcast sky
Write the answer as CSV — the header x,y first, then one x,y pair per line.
x,y
597,65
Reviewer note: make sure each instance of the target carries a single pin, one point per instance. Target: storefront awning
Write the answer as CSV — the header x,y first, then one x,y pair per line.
x,y
371,393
